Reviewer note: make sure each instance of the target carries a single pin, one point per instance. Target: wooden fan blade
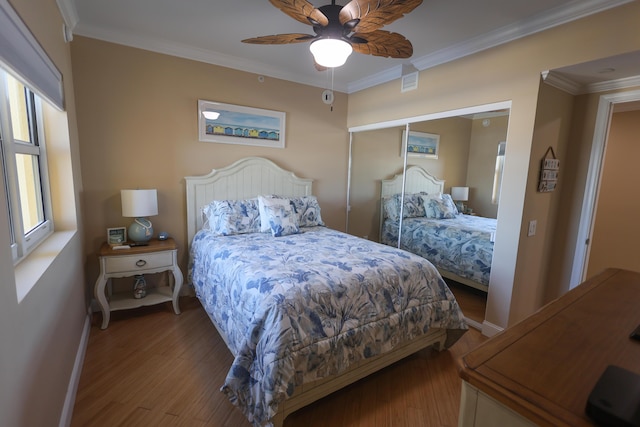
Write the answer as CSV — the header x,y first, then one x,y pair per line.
x,y
374,14
384,43
280,39
301,10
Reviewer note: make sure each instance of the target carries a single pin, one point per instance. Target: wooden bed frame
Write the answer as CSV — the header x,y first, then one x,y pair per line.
x,y
420,180
253,176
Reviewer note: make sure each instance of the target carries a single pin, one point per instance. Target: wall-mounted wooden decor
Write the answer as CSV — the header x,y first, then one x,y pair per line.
x,y
548,172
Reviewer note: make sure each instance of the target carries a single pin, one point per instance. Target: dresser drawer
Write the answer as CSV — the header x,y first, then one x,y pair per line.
x,y
138,262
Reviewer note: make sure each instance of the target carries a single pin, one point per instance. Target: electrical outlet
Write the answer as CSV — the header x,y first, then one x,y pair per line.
x,y
532,228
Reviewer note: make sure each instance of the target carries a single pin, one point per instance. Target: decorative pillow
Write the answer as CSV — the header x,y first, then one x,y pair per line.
x,y
264,224
279,215
392,208
413,206
227,217
439,208
449,200
308,211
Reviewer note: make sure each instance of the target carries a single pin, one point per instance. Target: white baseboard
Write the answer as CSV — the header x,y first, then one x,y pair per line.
x,y
489,329
74,380
473,323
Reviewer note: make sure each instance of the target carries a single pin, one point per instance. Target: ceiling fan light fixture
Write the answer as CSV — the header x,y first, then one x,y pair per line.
x,y
330,53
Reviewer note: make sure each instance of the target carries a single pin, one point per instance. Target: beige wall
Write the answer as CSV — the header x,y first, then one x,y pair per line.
x,y
552,129
137,115
615,232
482,163
510,72
41,333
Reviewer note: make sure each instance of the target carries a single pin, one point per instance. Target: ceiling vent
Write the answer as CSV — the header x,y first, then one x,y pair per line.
x,y
409,81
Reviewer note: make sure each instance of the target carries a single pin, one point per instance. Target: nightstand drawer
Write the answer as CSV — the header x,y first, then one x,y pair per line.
x,y
139,262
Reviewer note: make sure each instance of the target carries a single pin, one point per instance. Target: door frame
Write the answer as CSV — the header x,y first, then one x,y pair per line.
x,y
592,185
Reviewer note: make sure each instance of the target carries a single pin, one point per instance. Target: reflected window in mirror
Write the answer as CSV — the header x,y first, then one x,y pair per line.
x,y
497,177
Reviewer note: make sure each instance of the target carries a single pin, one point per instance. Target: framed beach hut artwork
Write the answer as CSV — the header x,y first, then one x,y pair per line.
x,y
420,144
235,124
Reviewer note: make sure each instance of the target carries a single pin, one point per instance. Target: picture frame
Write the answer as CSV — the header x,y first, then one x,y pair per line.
x,y
240,125
420,144
117,236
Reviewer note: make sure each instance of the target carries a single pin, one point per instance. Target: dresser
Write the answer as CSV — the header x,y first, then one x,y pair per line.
x,y
541,370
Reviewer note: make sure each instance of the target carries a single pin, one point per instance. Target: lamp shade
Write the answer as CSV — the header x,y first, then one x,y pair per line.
x,y
460,193
330,52
139,203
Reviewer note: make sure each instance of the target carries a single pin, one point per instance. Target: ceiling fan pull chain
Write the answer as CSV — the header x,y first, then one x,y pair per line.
x,y
332,97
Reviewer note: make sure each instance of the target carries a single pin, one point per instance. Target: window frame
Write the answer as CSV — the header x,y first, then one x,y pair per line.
x,y
22,244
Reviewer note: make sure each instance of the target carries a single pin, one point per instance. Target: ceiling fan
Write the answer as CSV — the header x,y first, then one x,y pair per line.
x,y
339,30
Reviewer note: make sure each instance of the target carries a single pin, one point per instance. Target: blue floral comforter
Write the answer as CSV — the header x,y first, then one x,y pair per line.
x,y
462,245
301,307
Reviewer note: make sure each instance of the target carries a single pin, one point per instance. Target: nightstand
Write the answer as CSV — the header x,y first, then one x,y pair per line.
x,y
156,257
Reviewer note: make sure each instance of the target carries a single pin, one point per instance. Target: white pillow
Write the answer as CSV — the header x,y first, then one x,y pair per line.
x,y
278,215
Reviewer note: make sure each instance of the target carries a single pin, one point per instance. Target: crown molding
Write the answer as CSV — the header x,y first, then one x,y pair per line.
x,y
564,83
69,13
611,85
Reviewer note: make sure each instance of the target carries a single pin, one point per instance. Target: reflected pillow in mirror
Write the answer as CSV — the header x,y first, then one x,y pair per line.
x,y
413,206
439,209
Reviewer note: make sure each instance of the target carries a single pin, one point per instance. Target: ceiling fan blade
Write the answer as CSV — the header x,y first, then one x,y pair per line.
x,y
280,39
384,43
302,11
374,14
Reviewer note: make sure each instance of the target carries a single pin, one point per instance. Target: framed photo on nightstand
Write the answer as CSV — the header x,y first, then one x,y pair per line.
x,y
117,236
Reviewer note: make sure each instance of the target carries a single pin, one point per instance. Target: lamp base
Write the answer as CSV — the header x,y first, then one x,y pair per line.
x,y
140,231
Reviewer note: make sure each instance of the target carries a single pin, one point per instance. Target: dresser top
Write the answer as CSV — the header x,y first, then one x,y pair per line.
x,y
545,366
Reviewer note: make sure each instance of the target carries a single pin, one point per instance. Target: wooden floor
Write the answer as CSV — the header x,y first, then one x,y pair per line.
x,y
473,302
154,368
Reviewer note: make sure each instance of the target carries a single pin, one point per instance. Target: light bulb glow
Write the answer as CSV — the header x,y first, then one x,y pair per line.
x,y
210,115
330,53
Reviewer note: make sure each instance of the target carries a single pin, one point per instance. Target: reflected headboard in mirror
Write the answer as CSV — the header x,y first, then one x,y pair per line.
x,y
417,180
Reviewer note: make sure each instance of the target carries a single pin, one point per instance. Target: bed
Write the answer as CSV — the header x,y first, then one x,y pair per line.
x,y
306,313
460,246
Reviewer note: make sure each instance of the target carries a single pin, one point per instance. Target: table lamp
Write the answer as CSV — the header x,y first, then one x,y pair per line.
x,y
460,195
139,204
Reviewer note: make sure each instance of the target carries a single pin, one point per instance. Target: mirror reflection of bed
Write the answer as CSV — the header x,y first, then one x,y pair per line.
x,y
467,156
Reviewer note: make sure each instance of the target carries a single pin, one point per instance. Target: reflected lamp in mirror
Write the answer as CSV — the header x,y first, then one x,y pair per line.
x,y
460,195
139,204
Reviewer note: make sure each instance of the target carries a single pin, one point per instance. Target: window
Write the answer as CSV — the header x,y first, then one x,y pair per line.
x,y
24,165
497,176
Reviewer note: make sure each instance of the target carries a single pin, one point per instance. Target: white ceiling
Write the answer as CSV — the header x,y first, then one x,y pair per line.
x,y
211,31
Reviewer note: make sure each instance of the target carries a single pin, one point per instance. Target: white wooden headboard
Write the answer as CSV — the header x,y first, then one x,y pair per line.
x,y
418,180
244,179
